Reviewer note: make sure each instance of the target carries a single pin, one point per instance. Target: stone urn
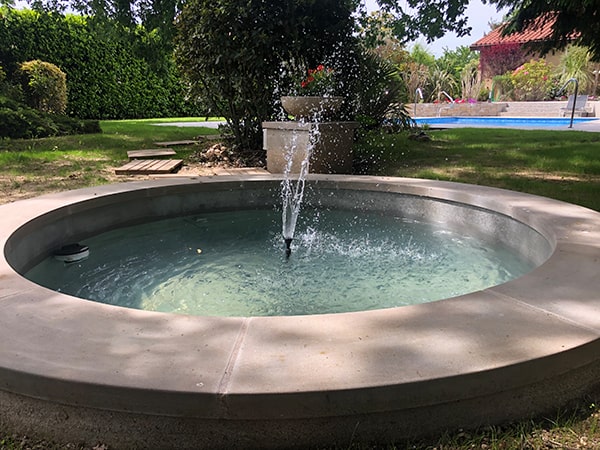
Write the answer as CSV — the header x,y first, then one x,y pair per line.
x,y
312,108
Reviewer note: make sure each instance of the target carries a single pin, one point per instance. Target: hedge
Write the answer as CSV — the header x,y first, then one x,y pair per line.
x,y
112,72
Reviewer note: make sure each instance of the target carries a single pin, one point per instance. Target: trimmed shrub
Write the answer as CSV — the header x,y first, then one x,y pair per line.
x,y
44,86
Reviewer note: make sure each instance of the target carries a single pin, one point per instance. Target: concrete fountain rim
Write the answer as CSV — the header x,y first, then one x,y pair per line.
x,y
509,338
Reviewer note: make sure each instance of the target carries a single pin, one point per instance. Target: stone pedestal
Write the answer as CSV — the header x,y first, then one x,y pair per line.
x,y
332,152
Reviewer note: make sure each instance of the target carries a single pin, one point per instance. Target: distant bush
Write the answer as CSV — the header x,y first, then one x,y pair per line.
x,y
502,88
378,96
18,121
532,81
44,86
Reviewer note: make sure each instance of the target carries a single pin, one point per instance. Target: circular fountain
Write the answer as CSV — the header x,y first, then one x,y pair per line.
x,y
73,369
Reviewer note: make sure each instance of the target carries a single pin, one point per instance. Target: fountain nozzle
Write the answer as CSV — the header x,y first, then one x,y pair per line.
x,y
288,248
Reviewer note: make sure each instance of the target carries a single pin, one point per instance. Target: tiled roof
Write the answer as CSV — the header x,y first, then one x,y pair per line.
x,y
538,31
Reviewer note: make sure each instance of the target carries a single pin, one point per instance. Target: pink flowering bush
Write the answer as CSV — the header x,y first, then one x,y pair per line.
x,y
532,81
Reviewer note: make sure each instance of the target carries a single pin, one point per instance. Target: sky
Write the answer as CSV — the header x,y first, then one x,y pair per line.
x,y
479,16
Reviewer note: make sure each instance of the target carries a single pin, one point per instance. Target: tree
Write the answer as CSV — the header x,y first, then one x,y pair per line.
x,y
153,14
454,61
431,19
576,63
575,20
421,55
240,56
378,37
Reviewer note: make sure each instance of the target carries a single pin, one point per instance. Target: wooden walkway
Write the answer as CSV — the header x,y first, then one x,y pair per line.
x,y
149,166
172,143
150,153
204,137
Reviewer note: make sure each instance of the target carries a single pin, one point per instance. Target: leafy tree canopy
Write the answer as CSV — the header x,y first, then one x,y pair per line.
x,y
407,19
153,14
431,19
573,19
421,55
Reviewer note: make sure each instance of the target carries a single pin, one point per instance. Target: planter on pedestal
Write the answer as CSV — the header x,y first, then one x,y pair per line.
x,y
312,108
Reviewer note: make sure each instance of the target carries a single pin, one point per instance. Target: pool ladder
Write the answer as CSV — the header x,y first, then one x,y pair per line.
x,y
452,102
562,89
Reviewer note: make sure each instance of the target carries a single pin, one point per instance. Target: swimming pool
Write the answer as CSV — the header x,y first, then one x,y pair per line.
x,y
499,122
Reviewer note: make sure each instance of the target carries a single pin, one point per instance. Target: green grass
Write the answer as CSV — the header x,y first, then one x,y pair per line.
x,y
69,162
559,164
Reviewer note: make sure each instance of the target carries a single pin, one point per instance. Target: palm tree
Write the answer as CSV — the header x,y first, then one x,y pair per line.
x,y
576,63
441,80
470,80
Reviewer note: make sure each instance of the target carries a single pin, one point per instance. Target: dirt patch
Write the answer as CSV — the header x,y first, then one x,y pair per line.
x,y
20,187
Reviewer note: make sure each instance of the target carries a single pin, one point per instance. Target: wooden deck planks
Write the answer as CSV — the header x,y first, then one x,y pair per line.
x,y
172,143
150,153
149,166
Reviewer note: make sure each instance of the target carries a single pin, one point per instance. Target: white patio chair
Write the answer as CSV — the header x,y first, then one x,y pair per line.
x,y
580,106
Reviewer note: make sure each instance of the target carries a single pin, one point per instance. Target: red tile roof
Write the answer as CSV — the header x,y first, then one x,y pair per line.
x,y
538,31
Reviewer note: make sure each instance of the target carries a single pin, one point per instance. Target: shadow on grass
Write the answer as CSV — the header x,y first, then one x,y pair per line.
x,y
559,164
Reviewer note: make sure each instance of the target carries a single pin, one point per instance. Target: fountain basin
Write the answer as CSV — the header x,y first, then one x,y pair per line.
x,y
72,369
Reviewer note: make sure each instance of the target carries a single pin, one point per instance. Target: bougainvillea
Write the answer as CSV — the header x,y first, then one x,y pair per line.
x,y
499,59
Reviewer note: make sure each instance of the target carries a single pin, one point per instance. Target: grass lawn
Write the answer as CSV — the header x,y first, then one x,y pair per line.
x,y
32,167
560,164
564,165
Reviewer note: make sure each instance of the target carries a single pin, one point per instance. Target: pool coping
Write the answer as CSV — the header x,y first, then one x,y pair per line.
x,y
589,124
529,344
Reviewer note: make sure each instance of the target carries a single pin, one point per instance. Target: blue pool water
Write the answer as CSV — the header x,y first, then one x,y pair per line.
x,y
508,122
